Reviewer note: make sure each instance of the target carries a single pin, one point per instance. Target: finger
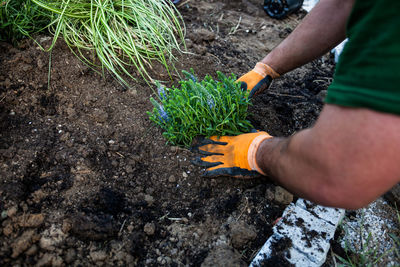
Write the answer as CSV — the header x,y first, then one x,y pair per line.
x,y
243,86
261,86
201,163
233,172
208,153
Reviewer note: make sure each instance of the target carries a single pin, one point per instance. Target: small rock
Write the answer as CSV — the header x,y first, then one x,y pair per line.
x,y
242,233
66,226
40,63
8,229
174,149
129,168
149,199
133,92
98,255
12,211
283,196
149,228
269,194
172,179
26,67
185,175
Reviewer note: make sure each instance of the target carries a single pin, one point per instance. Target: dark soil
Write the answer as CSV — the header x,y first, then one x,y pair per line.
x,y
86,178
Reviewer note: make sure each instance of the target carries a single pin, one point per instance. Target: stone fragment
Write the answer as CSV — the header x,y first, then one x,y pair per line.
x,y
8,229
149,228
12,211
241,233
149,199
283,196
172,179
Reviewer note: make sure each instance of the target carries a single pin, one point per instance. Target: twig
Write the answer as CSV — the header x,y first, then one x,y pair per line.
x,y
278,94
234,30
184,2
119,154
175,219
219,61
164,216
122,227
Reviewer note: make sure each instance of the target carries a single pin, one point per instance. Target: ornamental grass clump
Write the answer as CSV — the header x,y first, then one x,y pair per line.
x,y
201,108
119,33
21,18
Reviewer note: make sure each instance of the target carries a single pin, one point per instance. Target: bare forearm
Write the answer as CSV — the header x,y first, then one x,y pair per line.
x,y
290,164
321,30
349,158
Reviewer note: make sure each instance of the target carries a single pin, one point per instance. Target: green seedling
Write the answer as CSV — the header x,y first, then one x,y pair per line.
x,y
118,33
367,252
201,108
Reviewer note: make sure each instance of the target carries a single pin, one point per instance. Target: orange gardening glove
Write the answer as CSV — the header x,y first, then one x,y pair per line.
x,y
231,155
258,79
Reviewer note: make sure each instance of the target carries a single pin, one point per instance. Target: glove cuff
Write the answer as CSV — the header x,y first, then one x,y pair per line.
x,y
264,70
251,154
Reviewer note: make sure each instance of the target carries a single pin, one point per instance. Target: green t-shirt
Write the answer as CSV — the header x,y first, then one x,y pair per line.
x,y
368,72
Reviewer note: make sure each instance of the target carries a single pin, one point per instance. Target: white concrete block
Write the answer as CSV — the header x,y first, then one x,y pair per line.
x,y
309,234
309,228
330,215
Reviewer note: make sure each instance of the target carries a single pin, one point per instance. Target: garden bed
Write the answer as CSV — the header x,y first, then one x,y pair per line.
x,y
88,179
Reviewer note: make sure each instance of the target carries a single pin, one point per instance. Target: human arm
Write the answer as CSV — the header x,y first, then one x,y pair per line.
x,y
322,29
349,158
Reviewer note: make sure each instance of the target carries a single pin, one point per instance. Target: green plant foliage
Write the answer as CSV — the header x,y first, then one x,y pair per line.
x,y
21,18
367,252
201,108
120,33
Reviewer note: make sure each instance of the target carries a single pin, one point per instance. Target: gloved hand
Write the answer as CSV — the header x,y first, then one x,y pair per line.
x,y
258,79
231,155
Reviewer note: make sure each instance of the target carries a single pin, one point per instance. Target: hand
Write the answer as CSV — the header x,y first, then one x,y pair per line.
x,y
258,79
231,155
